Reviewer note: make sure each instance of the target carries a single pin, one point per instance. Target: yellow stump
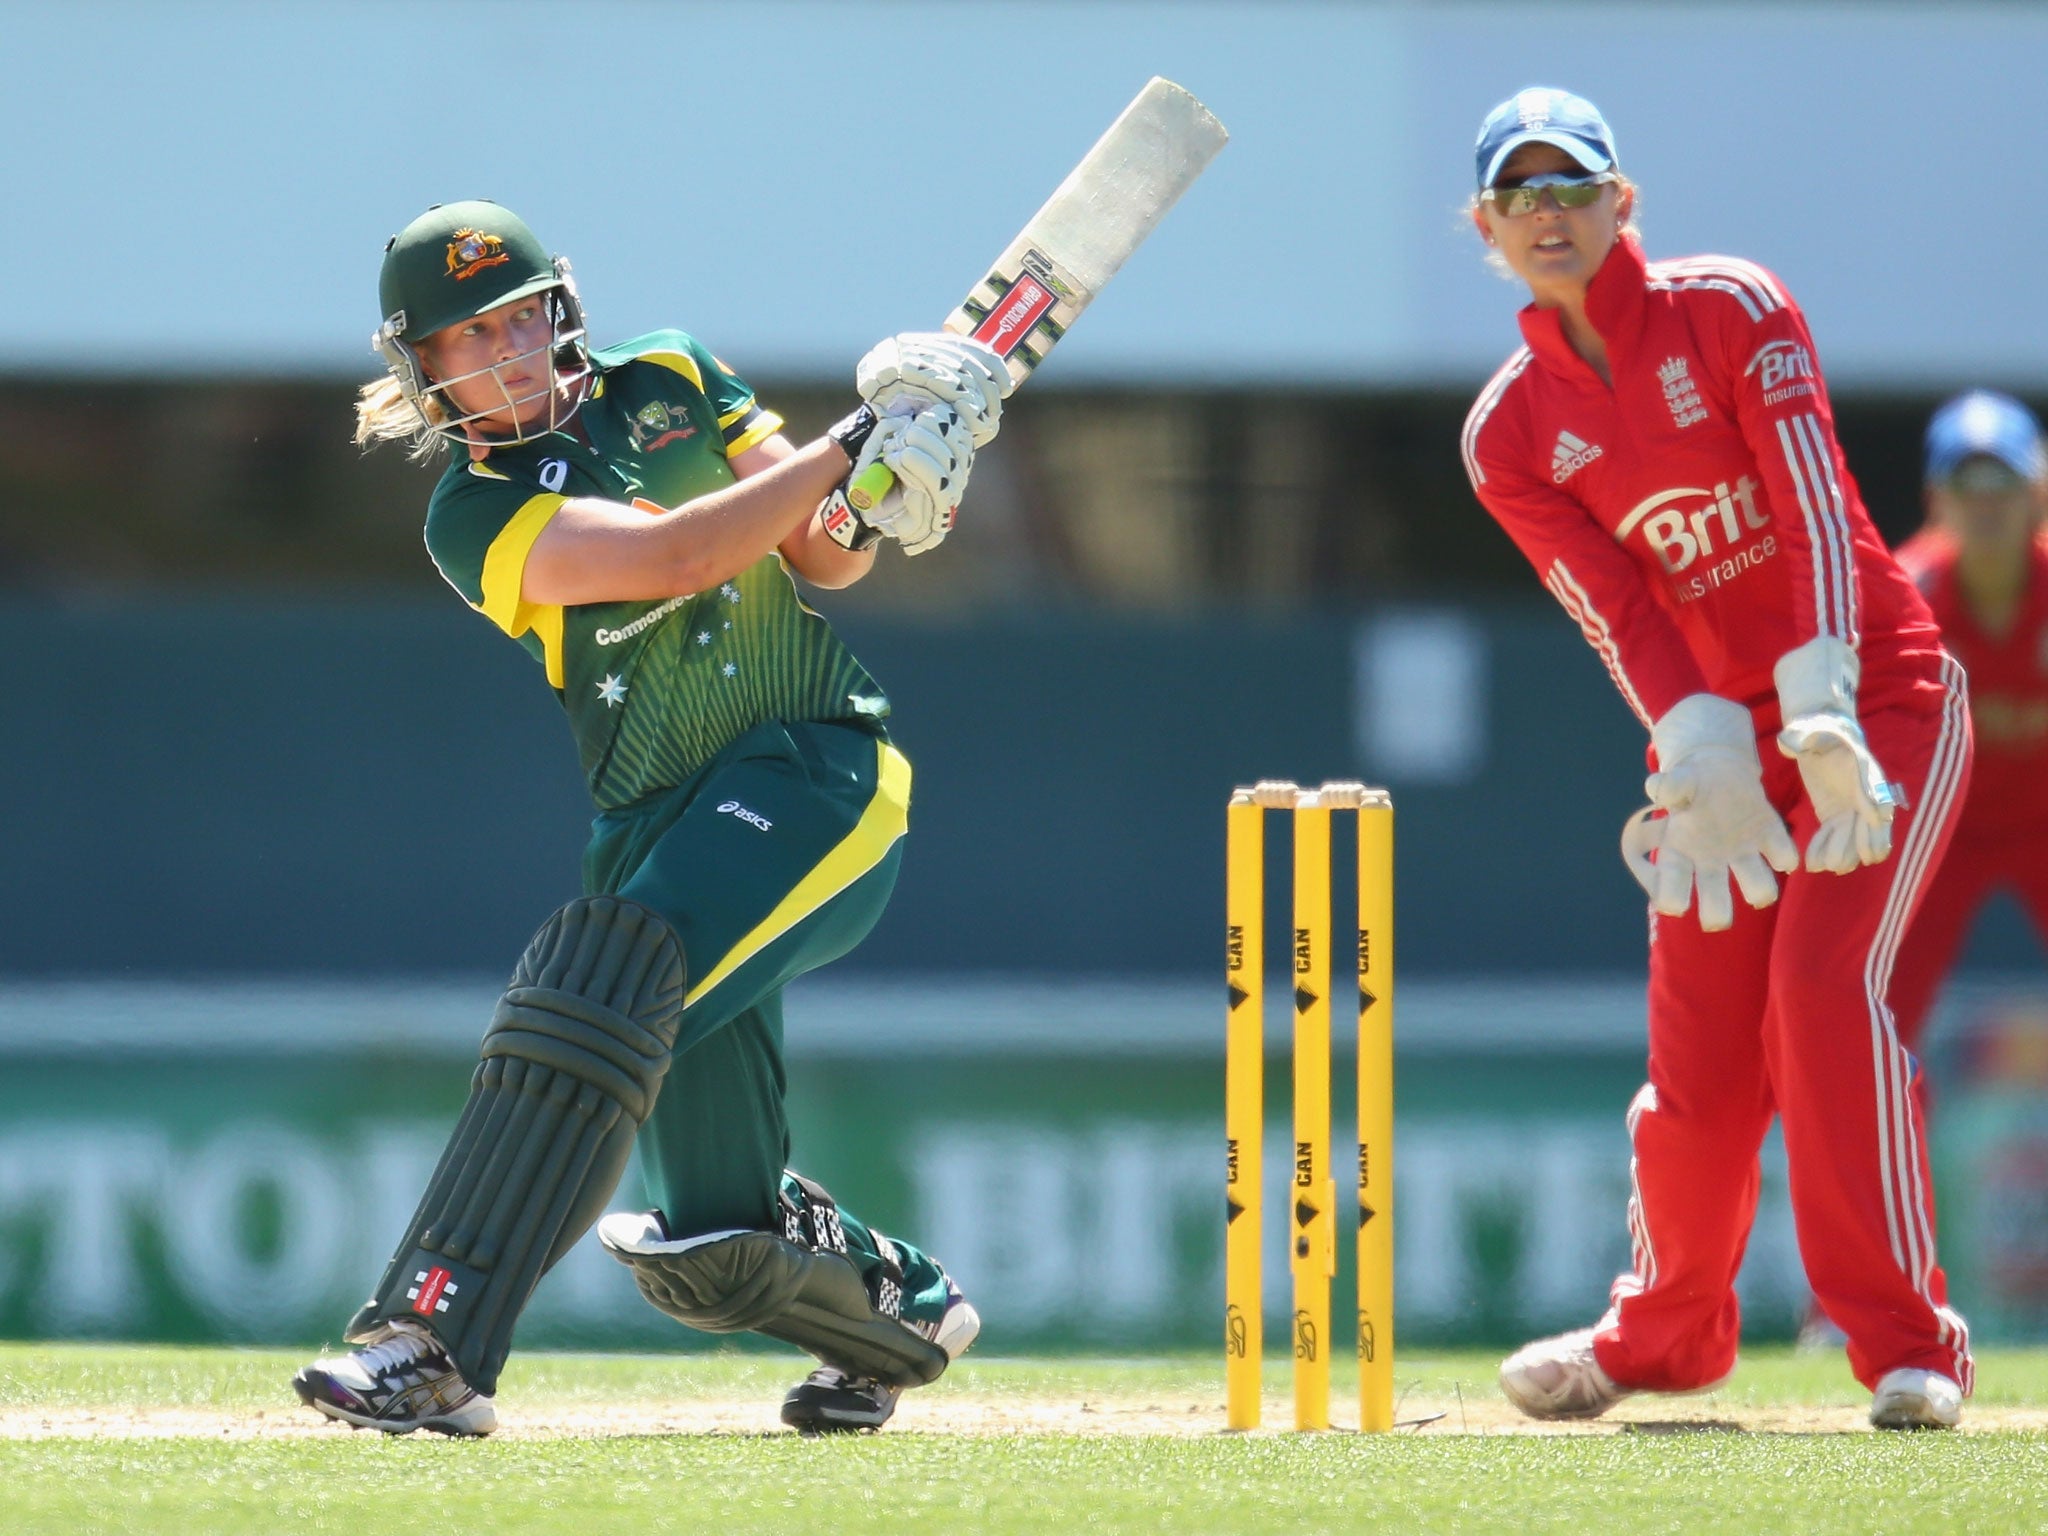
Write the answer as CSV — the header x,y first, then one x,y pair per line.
x,y
1376,1113
1312,1195
1312,1204
1244,1091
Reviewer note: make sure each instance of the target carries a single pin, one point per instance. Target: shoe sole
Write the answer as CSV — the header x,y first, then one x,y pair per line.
x,y
454,1429
958,1328
1909,1413
812,1419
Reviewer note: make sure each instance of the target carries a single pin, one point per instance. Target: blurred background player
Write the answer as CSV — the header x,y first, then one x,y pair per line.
x,y
1981,562
1663,452
634,519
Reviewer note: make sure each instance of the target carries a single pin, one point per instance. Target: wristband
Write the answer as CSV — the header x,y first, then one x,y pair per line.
x,y
853,433
844,526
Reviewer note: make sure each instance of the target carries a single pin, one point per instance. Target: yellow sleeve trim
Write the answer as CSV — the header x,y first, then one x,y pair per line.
x,y
505,573
679,362
765,427
885,820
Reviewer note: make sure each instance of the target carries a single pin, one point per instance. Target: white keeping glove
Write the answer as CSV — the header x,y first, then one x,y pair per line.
x,y
1716,820
1851,799
923,366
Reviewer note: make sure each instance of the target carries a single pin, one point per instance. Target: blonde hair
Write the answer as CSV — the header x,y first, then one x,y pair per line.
x,y
1634,226
385,415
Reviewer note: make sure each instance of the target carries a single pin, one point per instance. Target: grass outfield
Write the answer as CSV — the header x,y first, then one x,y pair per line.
x,y
118,1439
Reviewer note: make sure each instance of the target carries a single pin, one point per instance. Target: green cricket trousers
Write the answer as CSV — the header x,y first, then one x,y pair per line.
x,y
776,858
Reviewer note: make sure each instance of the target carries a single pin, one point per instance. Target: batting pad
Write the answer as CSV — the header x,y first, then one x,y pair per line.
x,y
570,1067
732,1282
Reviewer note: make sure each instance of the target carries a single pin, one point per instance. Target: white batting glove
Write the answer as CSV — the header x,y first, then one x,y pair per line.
x,y
1851,798
1716,822
931,454
924,366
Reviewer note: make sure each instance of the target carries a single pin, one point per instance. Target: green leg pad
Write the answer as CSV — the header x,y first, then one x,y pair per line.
x,y
570,1068
734,1282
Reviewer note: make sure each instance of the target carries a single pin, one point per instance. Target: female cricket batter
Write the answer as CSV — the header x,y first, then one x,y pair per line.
x,y
1982,564
632,517
1662,450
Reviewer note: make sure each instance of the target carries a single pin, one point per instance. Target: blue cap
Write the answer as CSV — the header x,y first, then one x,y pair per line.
x,y
1540,115
1985,424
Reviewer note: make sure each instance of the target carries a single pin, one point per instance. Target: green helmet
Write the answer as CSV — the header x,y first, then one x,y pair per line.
x,y
453,263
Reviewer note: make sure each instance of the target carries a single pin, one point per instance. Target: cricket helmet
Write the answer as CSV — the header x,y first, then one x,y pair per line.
x,y
457,261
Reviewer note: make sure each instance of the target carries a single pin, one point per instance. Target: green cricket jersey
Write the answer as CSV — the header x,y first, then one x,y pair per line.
x,y
654,690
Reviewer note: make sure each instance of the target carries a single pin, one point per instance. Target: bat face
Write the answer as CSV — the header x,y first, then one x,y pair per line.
x,y
1098,216
1073,245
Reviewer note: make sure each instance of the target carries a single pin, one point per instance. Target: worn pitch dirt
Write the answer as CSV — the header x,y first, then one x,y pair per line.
x,y
942,1412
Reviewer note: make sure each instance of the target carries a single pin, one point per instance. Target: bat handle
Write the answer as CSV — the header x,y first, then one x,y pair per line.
x,y
869,487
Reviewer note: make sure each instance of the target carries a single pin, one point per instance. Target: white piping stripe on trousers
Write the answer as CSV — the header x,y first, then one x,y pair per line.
x,y
1566,589
1892,1109
1949,1323
1943,774
1643,1248
1482,408
1912,1238
1834,517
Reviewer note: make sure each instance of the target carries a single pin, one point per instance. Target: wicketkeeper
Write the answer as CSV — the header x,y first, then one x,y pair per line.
x,y
1662,449
634,519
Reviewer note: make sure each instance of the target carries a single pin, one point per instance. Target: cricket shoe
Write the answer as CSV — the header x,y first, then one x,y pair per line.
x,y
1914,1399
1559,1378
830,1401
400,1381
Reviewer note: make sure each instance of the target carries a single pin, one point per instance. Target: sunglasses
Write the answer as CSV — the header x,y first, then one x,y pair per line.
x,y
1570,192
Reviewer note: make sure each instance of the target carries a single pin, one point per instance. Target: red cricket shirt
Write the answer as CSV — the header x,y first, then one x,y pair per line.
x,y
1696,519
2008,686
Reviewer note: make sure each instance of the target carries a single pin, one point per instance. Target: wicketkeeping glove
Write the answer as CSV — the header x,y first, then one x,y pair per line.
x,y
1851,798
924,366
1708,817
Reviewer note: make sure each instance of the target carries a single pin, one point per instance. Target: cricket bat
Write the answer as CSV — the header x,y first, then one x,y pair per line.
x,y
1087,229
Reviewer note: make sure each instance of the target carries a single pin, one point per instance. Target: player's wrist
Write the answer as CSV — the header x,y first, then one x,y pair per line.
x,y
851,434
1817,678
1702,722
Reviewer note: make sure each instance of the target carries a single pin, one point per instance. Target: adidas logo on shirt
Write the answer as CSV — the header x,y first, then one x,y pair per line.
x,y
1571,455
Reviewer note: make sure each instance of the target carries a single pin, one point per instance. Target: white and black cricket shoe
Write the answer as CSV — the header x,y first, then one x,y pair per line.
x,y
400,1381
832,1401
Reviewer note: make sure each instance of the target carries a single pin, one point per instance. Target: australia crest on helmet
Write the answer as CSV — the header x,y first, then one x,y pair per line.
x,y
470,251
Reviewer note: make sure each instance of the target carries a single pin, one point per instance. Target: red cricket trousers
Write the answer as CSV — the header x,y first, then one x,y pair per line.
x,y
1786,1013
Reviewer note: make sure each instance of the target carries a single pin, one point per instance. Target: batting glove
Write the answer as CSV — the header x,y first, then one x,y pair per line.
x,y
930,452
927,366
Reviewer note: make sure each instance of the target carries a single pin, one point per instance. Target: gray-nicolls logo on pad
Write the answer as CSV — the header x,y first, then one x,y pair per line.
x,y
1571,455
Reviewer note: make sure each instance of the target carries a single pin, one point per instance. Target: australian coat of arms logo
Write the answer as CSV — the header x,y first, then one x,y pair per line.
x,y
470,252
656,424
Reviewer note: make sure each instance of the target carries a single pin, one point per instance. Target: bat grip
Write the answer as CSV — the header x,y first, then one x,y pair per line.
x,y
869,487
